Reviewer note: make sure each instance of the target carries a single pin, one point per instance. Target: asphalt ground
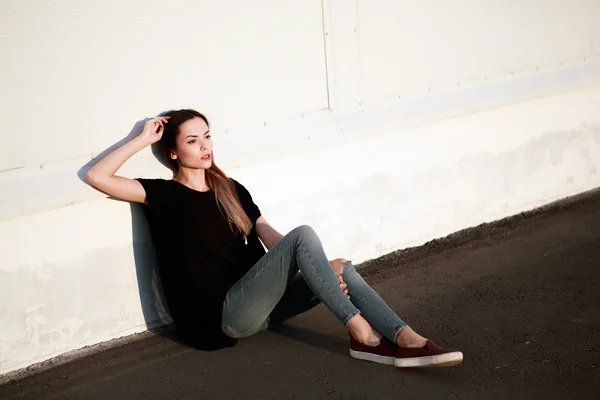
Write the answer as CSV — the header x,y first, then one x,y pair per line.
x,y
520,298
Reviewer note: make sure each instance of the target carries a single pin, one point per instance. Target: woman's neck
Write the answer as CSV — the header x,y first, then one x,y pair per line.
x,y
192,178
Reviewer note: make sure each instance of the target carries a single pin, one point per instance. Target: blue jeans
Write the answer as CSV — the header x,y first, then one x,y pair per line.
x,y
273,291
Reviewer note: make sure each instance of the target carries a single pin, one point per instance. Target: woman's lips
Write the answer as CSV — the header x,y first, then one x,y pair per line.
x,y
206,157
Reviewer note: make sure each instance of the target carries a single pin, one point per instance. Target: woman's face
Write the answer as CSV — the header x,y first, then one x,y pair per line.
x,y
193,145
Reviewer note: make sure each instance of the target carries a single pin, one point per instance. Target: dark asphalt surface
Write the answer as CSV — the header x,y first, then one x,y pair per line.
x,y
520,298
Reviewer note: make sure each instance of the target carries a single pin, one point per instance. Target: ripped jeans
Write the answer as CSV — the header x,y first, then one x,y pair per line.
x,y
273,290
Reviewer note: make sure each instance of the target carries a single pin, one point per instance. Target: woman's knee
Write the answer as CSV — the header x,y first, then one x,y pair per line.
x,y
305,233
348,269
351,276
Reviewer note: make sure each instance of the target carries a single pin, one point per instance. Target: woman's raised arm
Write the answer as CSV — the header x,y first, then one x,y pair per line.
x,y
102,175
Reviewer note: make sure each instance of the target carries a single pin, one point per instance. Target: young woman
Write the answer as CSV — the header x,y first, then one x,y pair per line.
x,y
219,283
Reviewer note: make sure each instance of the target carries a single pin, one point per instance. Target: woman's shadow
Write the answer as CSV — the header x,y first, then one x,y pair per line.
x,y
154,306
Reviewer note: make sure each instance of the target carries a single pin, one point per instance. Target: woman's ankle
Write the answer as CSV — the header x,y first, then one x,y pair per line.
x,y
366,338
409,338
361,330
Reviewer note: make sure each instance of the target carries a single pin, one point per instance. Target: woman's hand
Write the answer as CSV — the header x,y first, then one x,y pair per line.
x,y
343,285
338,267
153,129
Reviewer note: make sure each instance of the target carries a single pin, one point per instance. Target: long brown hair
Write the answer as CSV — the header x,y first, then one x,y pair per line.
x,y
224,188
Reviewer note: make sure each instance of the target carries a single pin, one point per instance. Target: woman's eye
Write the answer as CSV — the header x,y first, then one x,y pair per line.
x,y
208,136
192,141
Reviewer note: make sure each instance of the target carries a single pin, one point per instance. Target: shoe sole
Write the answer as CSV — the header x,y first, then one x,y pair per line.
x,y
440,360
361,355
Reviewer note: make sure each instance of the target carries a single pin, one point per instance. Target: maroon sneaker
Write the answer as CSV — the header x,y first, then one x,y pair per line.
x,y
430,355
383,353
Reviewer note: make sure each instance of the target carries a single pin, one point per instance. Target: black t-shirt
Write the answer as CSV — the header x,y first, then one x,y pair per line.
x,y
199,255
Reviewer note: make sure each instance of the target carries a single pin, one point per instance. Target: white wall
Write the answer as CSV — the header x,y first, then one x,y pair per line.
x,y
381,123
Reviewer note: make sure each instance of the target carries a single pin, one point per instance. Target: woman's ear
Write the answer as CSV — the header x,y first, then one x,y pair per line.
x,y
173,155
